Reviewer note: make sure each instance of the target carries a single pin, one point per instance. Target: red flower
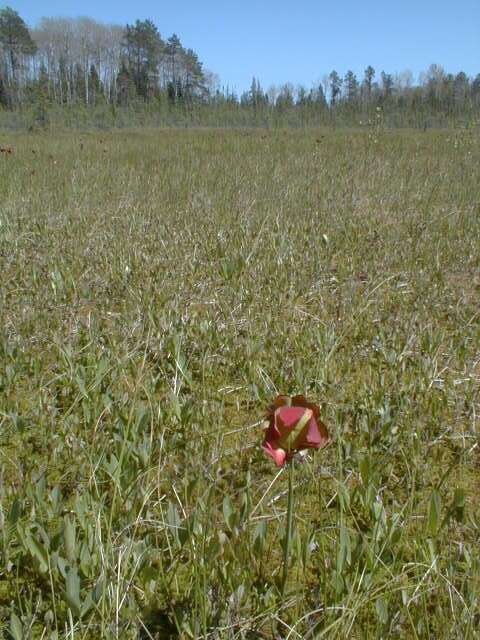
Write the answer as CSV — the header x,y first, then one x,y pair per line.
x,y
293,424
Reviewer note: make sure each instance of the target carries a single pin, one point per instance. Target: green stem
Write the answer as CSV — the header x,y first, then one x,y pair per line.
x,y
288,532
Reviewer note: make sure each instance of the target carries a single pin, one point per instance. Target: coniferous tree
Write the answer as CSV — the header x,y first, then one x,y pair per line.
x,y
367,85
15,43
476,90
437,86
194,78
173,51
335,86
318,96
285,98
95,86
350,84
80,61
43,80
125,85
461,89
143,47
256,96
387,85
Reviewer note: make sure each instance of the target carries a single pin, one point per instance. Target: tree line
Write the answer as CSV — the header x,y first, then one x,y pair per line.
x,y
82,62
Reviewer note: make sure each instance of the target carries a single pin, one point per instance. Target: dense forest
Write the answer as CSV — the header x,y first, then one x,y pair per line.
x,y
80,70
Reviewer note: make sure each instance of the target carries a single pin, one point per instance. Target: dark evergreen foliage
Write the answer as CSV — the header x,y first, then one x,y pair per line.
x,y
69,62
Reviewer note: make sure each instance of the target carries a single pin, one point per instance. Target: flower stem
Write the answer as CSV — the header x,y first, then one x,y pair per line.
x,y
289,530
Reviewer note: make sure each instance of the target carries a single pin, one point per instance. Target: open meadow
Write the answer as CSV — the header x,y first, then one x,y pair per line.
x,y
158,288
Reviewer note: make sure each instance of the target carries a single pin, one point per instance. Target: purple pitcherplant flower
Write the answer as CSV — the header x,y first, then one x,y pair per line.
x,y
292,425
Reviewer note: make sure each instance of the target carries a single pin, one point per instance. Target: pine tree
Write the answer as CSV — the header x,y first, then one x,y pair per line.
x,y
194,78
351,87
125,86
143,47
368,82
256,96
173,52
318,96
16,42
335,86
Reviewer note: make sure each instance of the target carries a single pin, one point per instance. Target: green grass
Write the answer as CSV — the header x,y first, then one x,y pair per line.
x,y
158,288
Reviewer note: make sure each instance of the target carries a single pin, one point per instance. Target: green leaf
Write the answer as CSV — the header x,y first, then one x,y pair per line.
x,y
186,529
87,605
364,467
81,383
175,406
344,553
39,552
459,502
459,498
98,590
259,536
87,563
382,610
72,591
142,417
15,511
434,512
69,538
102,367
228,513
16,629
173,520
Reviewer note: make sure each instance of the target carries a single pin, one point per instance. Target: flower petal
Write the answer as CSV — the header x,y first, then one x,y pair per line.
x,y
301,401
279,456
292,424
316,435
286,418
279,401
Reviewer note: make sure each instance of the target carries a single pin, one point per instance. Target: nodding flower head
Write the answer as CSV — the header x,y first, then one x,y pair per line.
x,y
293,424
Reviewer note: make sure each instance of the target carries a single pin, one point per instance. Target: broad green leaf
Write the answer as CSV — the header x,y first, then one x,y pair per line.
x,y
102,367
344,552
87,565
69,538
364,467
186,529
382,610
87,604
142,417
173,520
15,511
16,629
38,551
228,513
259,537
72,591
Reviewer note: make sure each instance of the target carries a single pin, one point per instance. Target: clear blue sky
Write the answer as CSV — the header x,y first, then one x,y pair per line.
x,y
298,40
